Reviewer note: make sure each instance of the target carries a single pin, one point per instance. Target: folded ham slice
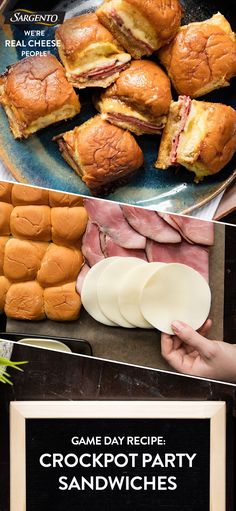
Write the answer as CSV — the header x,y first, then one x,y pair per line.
x,y
111,221
184,110
80,280
147,127
111,249
91,247
117,20
104,72
149,224
195,256
191,229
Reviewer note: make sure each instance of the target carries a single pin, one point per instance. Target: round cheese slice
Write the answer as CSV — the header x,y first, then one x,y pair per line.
x,y
175,292
130,292
108,288
89,296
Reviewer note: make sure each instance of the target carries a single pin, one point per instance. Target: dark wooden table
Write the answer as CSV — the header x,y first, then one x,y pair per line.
x,y
56,376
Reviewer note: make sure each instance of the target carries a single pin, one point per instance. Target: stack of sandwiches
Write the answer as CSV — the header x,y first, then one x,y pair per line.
x,y
105,50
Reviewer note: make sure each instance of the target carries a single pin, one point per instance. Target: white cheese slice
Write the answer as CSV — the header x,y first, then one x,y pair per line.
x,y
89,296
130,292
109,285
175,292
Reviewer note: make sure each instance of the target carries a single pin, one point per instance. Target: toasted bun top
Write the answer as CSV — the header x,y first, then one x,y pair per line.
x,y
143,85
200,54
219,144
79,32
37,86
104,149
165,15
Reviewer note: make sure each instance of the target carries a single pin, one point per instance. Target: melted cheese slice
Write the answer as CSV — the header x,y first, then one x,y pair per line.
x,y
135,22
95,55
175,292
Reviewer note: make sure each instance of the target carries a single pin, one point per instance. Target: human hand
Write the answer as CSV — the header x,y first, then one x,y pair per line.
x,y
191,353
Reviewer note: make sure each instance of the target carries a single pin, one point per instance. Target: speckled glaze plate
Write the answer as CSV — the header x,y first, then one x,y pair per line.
x,y
37,160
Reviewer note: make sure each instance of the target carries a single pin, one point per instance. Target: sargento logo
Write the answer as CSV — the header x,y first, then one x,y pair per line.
x,y
24,17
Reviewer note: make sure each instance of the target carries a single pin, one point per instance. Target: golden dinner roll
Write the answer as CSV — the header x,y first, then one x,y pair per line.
x,y
24,300
36,93
5,191
23,259
139,100
5,216
3,241
89,52
198,135
202,57
102,154
59,199
4,286
28,195
59,266
141,26
62,303
68,225
31,222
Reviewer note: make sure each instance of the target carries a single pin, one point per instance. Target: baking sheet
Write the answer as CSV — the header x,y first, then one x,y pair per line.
x,y
139,347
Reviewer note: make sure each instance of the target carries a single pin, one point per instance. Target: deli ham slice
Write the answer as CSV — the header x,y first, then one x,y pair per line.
x,y
80,280
191,229
104,72
195,256
91,247
185,104
149,224
128,33
148,127
111,249
109,218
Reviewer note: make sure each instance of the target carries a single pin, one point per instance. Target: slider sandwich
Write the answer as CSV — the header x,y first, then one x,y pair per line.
x,y
102,154
199,136
141,26
139,100
89,52
36,93
202,57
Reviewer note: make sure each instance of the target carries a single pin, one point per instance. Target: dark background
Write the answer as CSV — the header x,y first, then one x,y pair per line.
x,y
54,436
57,376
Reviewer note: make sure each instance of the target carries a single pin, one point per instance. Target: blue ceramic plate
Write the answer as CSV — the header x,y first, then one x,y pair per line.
x,y
37,160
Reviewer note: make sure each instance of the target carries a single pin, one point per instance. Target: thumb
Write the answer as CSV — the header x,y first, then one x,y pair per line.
x,y
193,338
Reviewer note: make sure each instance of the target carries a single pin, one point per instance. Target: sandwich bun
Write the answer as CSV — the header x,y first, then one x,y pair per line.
x,y
22,259
102,154
206,139
68,225
31,222
5,216
62,303
4,286
142,93
60,265
202,57
3,241
24,300
141,26
28,195
5,191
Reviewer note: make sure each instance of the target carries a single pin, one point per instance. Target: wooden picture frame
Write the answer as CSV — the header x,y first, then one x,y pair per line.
x,y
215,411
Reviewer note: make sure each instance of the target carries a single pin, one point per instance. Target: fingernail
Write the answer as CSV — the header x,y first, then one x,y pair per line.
x,y
177,326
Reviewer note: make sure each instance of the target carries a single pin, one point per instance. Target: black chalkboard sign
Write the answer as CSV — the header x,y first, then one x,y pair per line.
x,y
92,456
